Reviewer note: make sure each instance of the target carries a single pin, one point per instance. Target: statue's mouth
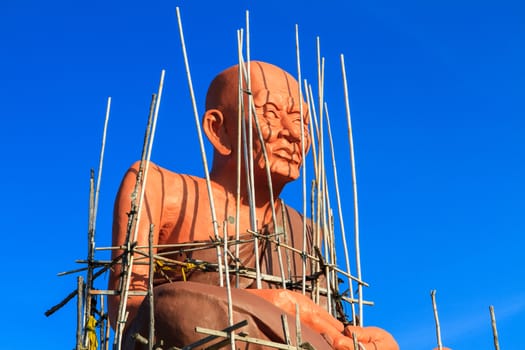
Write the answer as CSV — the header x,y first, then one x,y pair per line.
x,y
289,155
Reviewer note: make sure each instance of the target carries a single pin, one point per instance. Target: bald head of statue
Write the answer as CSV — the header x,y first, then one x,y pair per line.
x,y
277,106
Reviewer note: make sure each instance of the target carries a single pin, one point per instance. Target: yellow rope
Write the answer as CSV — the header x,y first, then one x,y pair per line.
x,y
188,266
91,332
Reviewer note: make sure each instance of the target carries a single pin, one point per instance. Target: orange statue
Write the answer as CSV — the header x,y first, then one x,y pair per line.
x,y
189,294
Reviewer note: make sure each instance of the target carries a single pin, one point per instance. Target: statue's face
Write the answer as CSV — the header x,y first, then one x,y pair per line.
x,y
276,98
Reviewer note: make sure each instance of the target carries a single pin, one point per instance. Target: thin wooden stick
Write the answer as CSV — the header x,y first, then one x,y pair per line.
x,y
151,277
102,321
327,243
340,211
104,327
356,342
93,204
253,114
303,154
107,327
101,162
228,288
286,331
284,220
203,150
253,216
354,186
436,318
494,328
80,285
313,122
298,331
227,273
91,254
127,264
318,171
240,118
313,263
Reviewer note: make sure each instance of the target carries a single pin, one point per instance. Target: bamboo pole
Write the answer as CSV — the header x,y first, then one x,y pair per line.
x,y
93,208
311,108
494,328
340,211
102,322
101,162
356,343
313,122
90,257
80,285
318,187
328,244
303,153
151,277
228,287
298,331
284,221
251,197
136,210
436,319
286,330
104,327
354,187
203,150
240,118
253,114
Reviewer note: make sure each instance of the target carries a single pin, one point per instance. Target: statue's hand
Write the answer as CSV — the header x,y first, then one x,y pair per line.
x,y
372,338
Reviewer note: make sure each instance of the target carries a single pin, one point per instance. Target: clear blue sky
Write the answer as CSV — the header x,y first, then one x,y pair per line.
x,y
437,92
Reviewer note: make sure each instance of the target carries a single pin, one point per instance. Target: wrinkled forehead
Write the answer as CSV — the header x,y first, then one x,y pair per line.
x,y
271,84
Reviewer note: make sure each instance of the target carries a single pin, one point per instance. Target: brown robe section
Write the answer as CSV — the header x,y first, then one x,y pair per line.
x,y
181,305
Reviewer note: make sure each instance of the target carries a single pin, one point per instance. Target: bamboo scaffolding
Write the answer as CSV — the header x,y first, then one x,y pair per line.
x,y
127,256
240,119
340,210
253,114
249,147
80,287
202,148
494,328
286,330
303,151
298,330
247,339
321,189
436,319
212,337
228,287
284,220
90,257
93,209
354,187
316,186
101,162
323,225
104,326
151,333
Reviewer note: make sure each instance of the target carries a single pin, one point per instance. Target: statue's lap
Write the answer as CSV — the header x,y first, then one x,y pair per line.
x,y
182,306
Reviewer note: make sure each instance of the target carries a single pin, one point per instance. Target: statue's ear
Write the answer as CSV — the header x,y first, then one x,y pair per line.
x,y
216,131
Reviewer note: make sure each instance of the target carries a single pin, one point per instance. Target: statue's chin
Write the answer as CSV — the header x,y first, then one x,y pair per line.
x,y
285,173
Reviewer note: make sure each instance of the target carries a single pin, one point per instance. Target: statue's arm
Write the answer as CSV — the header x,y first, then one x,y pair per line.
x,y
151,213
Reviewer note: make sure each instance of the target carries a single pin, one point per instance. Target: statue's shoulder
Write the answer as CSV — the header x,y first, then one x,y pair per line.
x,y
161,180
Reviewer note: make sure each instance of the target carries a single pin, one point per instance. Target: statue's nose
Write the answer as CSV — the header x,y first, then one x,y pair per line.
x,y
290,130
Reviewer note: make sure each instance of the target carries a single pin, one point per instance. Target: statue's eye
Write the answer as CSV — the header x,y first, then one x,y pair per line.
x,y
271,113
